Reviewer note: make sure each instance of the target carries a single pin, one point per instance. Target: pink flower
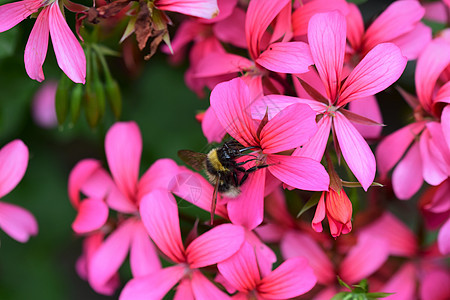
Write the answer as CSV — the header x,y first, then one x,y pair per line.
x,y
291,128
123,193
382,66
423,146
17,222
292,278
69,54
159,214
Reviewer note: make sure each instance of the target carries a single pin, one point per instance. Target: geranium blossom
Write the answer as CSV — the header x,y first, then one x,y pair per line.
x,y
69,54
160,216
382,66
292,127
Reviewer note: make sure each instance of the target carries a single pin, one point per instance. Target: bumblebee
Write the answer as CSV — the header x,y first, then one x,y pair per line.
x,y
222,169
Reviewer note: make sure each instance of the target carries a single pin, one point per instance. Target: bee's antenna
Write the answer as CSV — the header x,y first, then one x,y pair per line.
x,y
247,148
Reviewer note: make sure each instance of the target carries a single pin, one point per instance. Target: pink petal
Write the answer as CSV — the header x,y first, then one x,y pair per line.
x,y
364,258
159,213
187,32
12,14
226,9
92,214
212,129
215,64
13,164
407,176
241,270
326,36
108,258
368,108
205,289
123,147
98,185
433,60
434,167
118,201
274,104
248,208
435,11
281,27
380,68
232,29
159,175
392,148
412,43
259,16
194,188
445,122
184,290
355,150
215,246
355,26
90,244
290,128
402,283
292,278
434,284
36,48
402,241
153,286
289,57
298,244
302,15
82,171
399,18
265,256
315,148
143,256
319,215
300,172
231,102
444,238
69,54
17,222
198,8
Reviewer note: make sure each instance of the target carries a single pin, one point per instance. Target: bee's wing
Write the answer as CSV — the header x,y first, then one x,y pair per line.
x,y
192,158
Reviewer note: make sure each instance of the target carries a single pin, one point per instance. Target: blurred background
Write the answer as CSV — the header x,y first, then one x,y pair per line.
x,y
154,96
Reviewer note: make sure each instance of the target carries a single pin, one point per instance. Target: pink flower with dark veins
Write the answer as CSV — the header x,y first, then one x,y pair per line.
x,y
69,53
381,67
292,127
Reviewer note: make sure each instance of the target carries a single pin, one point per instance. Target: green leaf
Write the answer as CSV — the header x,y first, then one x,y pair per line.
x,y
378,295
339,296
8,41
311,202
362,286
343,284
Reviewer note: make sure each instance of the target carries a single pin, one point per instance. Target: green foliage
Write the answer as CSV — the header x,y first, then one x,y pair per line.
x,y
358,291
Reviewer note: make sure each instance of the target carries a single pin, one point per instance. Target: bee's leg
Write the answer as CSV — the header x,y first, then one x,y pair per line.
x,y
244,162
235,178
251,170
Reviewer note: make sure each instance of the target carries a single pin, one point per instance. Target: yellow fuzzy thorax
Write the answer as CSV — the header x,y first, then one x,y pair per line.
x,y
215,162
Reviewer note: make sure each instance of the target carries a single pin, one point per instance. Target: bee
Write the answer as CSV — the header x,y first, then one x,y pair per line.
x,y
222,169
